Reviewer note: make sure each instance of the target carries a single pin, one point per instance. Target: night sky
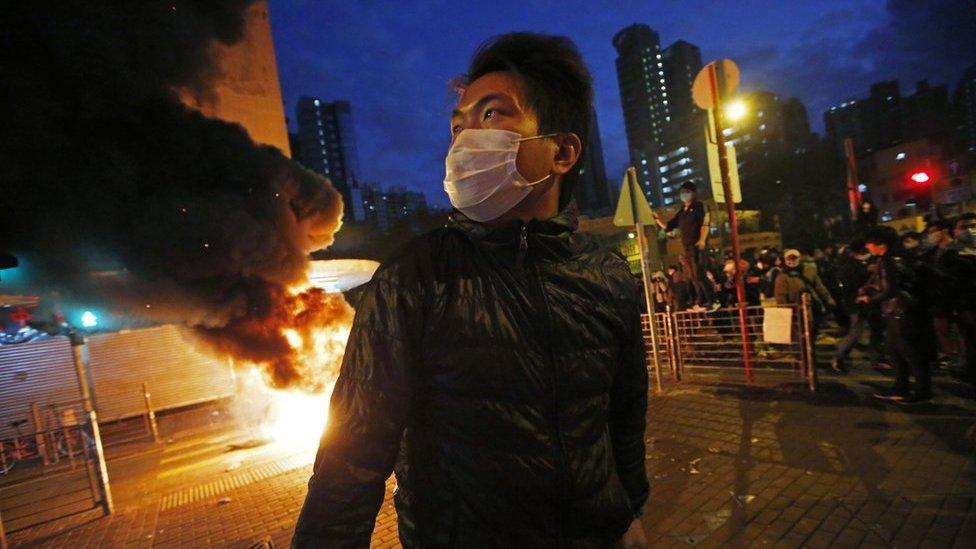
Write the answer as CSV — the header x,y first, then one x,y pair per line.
x,y
393,59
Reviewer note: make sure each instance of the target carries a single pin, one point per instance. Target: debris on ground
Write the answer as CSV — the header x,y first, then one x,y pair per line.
x,y
715,519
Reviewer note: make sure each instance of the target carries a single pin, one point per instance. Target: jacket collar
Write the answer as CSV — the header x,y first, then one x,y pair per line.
x,y
554,238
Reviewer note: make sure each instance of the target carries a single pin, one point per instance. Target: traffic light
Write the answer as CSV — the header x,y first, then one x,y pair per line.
x,y
920,177
919,181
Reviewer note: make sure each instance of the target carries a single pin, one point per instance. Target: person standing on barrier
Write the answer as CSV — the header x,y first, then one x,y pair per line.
x,y
497,364
892,287
798,278
692,222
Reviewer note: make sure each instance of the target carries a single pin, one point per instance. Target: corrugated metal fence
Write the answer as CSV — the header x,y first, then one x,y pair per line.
x,y
175,372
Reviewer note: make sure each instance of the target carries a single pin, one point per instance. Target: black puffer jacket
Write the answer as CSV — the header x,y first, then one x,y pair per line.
x,y
506,367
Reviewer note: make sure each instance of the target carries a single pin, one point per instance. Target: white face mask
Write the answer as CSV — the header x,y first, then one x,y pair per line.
x,y
481,177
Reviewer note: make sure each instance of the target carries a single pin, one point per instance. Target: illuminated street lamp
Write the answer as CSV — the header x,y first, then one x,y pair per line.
x,y
89,320
735,111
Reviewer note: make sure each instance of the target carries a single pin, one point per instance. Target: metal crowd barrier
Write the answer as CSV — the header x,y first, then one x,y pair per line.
x,y
711,342
51,473
32,495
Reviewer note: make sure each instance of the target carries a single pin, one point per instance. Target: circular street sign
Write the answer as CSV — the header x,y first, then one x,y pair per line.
x,y
727,74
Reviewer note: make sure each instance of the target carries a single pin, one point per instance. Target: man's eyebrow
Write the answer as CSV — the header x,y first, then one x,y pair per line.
x,y
481,103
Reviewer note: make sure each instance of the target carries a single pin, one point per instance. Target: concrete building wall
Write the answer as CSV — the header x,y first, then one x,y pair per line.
x,y
247,90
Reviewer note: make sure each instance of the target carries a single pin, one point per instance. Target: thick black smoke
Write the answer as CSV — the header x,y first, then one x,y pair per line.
x,y
111,188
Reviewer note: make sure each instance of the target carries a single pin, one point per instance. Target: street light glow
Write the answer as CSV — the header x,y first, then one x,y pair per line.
x,y
735,110
88,319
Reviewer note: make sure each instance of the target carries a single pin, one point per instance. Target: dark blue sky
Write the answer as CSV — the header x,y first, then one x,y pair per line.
x,y
393,59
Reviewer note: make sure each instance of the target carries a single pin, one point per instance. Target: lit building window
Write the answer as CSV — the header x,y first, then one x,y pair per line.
x,y
900,156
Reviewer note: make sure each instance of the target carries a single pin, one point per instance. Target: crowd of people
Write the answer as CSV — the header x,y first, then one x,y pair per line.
x,y
915,293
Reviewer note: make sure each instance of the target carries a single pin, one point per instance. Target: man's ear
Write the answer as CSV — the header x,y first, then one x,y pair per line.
x,y
569,151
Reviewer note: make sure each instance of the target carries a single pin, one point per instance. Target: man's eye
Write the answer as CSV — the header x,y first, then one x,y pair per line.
x,y
455,129
489,113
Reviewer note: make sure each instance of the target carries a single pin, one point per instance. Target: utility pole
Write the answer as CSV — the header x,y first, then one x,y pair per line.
x,y
712,83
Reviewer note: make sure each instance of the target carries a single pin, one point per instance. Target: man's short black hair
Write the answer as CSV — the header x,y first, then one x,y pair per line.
x,y
689,186
882,234
556,83
911,234
939,224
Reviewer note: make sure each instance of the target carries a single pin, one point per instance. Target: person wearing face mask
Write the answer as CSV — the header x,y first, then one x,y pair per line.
x,y
801,277
892,287
852,274
692,222
934,290
496,364
959,262
866,218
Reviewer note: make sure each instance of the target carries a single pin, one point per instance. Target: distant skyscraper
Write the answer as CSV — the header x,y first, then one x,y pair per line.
x,y
655,91
883,115
927,112
966,108
328,146
383,208
592,191
643,94
874,123
683,159
682,61
843,121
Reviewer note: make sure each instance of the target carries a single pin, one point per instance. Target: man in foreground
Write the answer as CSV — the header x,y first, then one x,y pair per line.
x,y
498,362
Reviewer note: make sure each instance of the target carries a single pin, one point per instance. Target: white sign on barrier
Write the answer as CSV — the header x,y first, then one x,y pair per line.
x,y
778,325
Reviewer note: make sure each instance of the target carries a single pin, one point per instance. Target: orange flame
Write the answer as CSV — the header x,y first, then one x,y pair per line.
x,y
297,342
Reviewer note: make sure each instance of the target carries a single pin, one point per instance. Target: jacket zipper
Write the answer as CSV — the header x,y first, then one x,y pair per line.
x,y
539,294
523,247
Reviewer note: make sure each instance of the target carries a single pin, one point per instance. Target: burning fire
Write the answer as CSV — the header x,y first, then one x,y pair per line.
x,y
294,388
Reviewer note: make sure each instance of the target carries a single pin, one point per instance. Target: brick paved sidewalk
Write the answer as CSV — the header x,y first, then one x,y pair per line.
x,y
729,465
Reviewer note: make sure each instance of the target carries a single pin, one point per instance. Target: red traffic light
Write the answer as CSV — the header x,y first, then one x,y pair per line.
x,y
920,177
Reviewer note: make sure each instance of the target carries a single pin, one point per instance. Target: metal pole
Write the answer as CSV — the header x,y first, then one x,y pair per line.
x,y
666,321
807,341
81,363
645,274
3,535
853,194
723,163
150,413
39,432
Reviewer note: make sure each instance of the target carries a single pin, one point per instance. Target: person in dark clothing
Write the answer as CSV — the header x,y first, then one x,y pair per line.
x,y
771,265
934,285
890,287
692,222
681,297
867,217
497,364
852,275
910,242
959,262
